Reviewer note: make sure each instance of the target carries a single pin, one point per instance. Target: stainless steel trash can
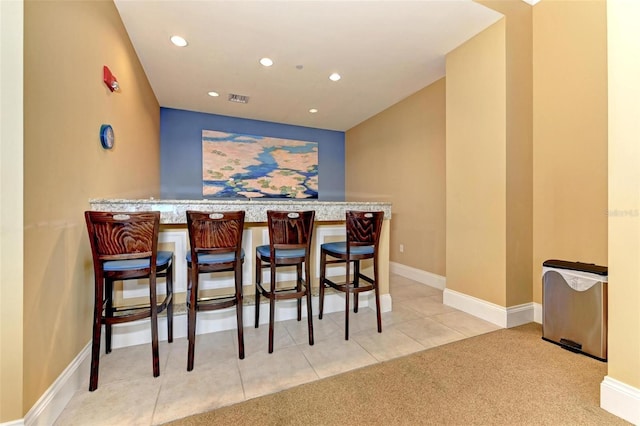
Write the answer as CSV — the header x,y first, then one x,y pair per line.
x,y
574,306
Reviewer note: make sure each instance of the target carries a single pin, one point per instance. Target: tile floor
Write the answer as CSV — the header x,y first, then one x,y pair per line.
x,y
129,394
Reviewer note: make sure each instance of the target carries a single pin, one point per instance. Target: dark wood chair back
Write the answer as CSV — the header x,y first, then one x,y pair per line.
x,y
363,237
122,236
363,228
215,233
290,230
216,246
124,245
290,234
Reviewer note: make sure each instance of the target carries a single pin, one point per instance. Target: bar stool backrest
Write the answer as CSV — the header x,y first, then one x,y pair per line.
x,y
290,230
363,228
122,236
215,233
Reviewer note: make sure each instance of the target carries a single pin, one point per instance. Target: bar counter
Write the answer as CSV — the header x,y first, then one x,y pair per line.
x,y
173,211
329,227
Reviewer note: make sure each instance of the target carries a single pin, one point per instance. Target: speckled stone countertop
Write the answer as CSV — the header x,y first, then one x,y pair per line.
x,y
173,211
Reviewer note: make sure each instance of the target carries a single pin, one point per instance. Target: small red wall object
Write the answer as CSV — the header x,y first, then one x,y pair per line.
x,y
110,79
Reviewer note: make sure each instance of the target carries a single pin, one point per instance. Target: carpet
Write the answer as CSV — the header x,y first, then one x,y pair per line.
x,y
506,377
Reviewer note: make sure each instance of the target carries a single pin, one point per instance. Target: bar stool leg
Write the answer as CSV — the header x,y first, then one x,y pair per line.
x,y
257,298
323,265
356,284
154,326
307,285
169,282
377,294
299,289
347,297
192,288
97,328
108,291
272,306
239,308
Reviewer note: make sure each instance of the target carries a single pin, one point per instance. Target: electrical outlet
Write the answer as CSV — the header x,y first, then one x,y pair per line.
x,y
401,248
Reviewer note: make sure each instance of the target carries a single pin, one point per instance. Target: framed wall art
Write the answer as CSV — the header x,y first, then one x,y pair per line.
x,y
248,166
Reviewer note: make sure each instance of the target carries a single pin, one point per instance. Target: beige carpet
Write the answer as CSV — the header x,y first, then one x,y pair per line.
x,y
507,377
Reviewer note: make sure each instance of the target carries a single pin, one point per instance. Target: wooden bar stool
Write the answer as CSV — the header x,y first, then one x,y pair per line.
x,y
363,235
124,246
290,236
216,246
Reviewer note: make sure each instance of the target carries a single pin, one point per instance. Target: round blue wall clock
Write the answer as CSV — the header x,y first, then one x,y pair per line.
x,y
107,137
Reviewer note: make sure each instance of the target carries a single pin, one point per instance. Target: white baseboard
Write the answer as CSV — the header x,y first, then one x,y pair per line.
x,y
19,422
620,399
512,316
537,313
424,277
47,409
76,376
498,315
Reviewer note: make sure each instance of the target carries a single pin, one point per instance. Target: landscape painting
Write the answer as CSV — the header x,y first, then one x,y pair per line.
x,y
246,166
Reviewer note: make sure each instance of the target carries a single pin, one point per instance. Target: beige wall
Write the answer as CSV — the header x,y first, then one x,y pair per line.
x,y
556,160
66,44
11,240
489,160
569,134
519,173
476,166
401,153
624,191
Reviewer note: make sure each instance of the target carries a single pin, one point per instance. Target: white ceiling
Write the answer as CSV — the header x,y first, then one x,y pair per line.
x,y
384,50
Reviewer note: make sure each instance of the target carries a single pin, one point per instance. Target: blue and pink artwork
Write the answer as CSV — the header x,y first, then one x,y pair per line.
x,y
247,166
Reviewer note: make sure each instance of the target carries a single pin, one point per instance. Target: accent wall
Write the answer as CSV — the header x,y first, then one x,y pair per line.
x,y
181,151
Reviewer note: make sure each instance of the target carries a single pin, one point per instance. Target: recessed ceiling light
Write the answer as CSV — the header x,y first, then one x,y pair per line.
x,y
313,110
267,62
214,94
335,77
178,41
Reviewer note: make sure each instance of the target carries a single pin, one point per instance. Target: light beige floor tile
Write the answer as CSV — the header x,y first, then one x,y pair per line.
x,y
466,324
437,297
389,344
322,329
257,339
263,373
426,306
128,392
210,349
184,393
364,320
336,355
403,288
399,314
131,363
429,333
129,402
400,281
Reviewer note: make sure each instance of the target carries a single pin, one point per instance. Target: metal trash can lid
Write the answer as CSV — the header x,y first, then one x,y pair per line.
x,y
576,266
579,276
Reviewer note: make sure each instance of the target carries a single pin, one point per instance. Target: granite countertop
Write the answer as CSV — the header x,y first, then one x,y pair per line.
x,y
173,211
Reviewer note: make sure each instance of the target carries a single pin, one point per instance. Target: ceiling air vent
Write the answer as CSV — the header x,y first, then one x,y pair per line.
x,y
241,99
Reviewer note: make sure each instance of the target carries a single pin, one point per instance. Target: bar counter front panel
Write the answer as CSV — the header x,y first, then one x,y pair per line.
x,y
329,227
